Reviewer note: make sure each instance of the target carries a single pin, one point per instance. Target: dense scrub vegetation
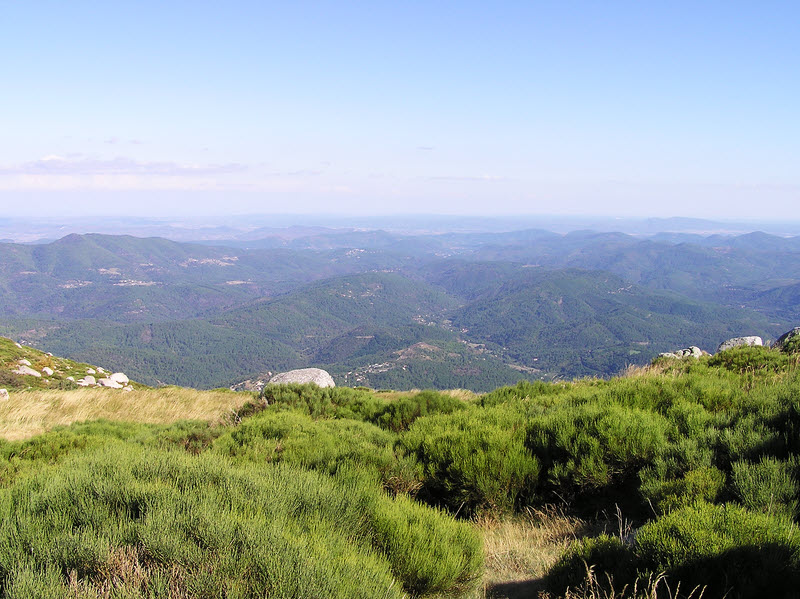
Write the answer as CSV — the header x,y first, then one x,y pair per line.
x,y
343,492
398,322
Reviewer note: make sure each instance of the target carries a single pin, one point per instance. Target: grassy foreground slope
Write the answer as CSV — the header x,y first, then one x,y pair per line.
x,y
308,492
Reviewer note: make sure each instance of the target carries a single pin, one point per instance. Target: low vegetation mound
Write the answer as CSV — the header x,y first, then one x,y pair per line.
x,y
338,492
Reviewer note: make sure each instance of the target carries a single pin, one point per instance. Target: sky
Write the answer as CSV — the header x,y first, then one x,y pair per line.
x,y
608,108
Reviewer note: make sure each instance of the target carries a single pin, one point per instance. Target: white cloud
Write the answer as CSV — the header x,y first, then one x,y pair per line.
x,y
61,165
56,172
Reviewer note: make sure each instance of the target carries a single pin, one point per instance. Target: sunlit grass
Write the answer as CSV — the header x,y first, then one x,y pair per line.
x,y
29,413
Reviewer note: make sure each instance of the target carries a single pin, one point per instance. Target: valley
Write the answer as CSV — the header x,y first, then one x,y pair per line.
x,y
488,308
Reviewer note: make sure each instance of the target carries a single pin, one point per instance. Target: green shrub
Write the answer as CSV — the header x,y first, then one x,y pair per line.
x,y
428,550
791,345
666,494
474,459
754,359
544,393
325,445
725,547
748,438
769,486
324,402
398,415
589,447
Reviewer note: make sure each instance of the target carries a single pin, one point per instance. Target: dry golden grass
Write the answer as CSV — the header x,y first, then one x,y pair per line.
x,y
462,394
29,413
519,551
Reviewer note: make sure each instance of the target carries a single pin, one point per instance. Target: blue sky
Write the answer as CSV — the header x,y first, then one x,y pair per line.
x,y
607,108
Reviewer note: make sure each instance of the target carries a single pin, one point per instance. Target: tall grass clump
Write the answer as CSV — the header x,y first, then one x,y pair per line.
x,y
134,521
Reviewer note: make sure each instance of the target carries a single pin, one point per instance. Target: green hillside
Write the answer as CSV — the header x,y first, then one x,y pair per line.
x,y
589,323
509,323
127,279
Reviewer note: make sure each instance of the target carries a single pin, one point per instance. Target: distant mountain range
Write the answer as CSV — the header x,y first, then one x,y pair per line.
x,y
473,310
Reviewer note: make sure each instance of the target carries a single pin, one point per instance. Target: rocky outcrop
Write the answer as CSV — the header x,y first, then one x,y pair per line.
x,y
120,378
109,383
47,371
317,376
255,384
740,342
689,352
784,339
24,362
27,371
87,381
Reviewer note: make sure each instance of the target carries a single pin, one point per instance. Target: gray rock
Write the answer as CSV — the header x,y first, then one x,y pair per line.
x,y
304,375
28,371
71,378
127,388
3,394
47,371
120,378
100,370
786,337
692,351
24,362
87,381
740,342
90,371
254,384
109,383
18,345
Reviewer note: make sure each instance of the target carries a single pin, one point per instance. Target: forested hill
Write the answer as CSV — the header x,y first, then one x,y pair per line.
x,y
382,309
389,330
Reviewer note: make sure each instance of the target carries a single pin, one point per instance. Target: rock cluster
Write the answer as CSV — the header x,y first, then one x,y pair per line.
x,y
317,376
255,384
692,351
118,380
55,371
749,341
27,371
